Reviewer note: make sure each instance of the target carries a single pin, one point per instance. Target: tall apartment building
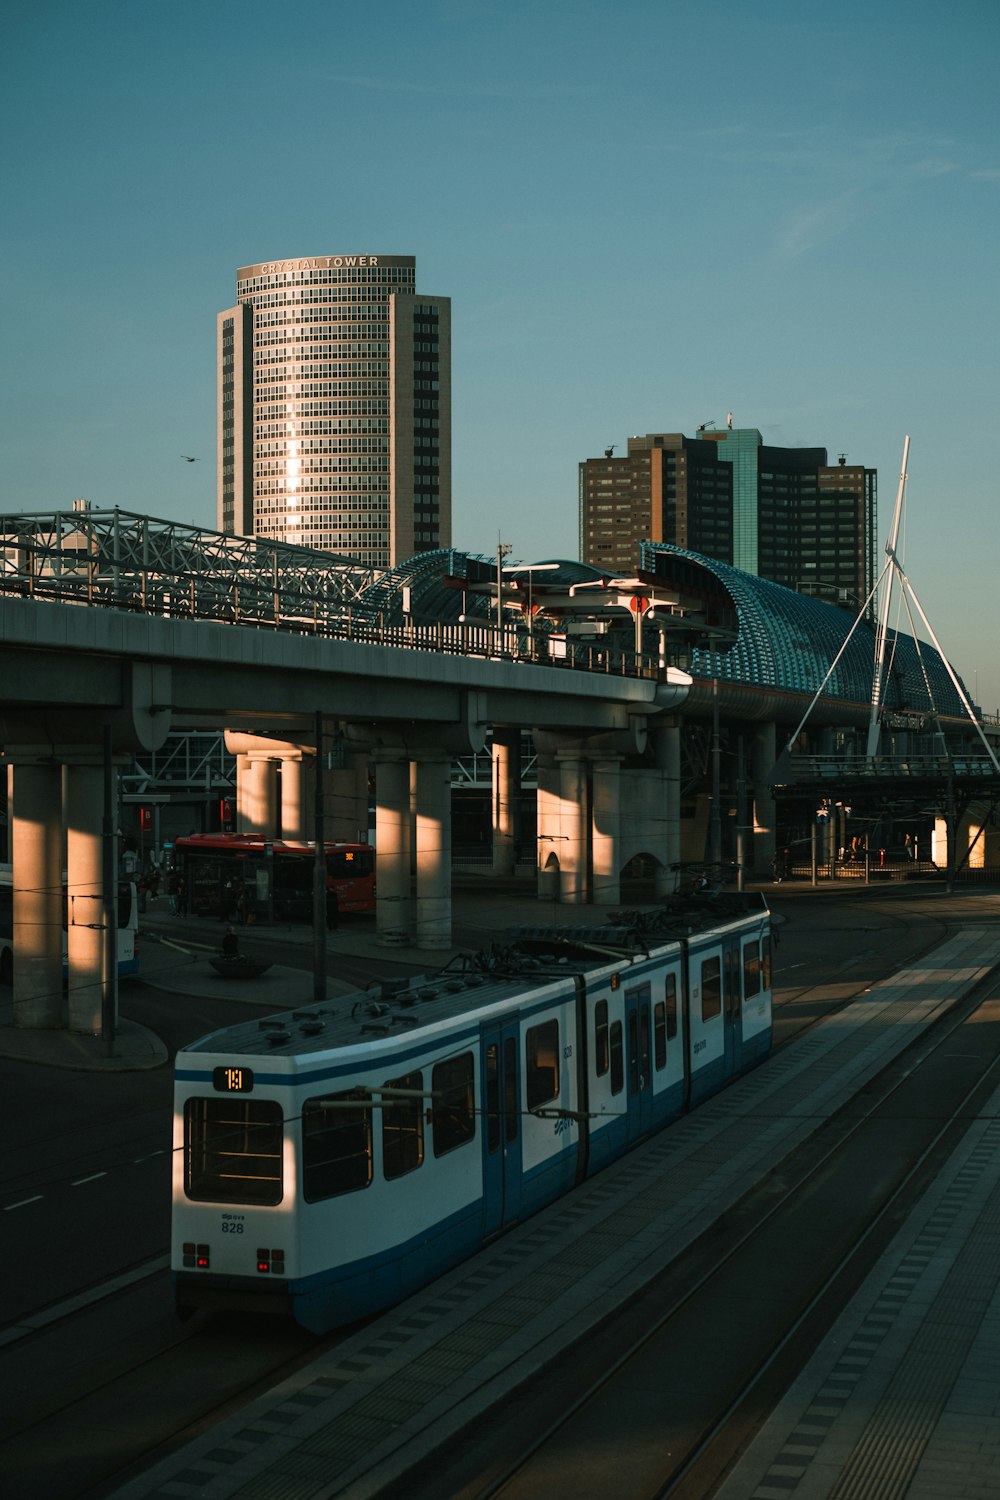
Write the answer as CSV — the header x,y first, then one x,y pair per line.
x,y
785,514
334,407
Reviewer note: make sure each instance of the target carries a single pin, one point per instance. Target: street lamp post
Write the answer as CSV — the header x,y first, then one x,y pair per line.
x,y
503,550
531,569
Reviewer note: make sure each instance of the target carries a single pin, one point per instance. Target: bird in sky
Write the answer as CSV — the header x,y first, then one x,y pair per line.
x,y
188,460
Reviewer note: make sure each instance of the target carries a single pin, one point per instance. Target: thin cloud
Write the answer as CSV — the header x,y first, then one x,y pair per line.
x,y
807,228
855,176
880,170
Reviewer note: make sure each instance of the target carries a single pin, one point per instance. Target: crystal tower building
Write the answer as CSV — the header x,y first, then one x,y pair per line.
x,y
334,408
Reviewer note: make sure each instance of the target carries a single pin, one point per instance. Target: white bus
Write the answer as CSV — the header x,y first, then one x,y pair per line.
x,y
128,927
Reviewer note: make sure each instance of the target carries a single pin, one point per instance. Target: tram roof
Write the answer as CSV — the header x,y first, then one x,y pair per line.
x,y
533,958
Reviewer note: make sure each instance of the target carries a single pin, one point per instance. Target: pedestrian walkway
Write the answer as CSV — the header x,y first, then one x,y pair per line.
x,y
356,1420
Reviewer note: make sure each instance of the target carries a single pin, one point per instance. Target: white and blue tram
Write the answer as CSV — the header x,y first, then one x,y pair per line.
x,y
331,1160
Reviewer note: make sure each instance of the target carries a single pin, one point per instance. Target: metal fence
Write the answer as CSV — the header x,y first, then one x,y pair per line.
x,y
116,559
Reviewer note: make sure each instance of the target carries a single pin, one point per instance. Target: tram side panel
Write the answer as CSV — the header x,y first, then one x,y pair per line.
x,y
390,1195
757,996
730,1003
669,1037
549,1099
635,1054
294,1189
315,1199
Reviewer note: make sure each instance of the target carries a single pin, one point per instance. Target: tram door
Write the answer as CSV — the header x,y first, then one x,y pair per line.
x,y
640,1061
501,1127
732,1008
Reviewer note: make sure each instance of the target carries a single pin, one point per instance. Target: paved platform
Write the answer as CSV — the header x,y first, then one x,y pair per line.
x,y
907,1390
902,1399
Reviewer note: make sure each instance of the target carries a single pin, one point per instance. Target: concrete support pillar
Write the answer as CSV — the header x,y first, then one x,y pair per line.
x,y
573,822
242,790
764,813
85,914
667,754
392,848
345,799
295,801
37,859
606,831
433,850
257,796
506,758
547,833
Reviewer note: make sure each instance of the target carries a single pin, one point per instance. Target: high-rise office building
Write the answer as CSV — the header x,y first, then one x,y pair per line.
x,y
334,407
785,514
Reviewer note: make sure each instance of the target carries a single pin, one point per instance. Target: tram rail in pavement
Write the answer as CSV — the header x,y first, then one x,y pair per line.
x,y
353,1422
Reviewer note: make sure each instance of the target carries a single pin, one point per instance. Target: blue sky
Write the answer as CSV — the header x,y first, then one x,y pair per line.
x,y
646,216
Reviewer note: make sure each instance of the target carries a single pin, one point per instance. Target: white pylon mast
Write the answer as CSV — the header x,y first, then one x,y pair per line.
x,y
883,619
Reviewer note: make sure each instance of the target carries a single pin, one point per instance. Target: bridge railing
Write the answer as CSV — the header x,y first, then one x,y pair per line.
x,y
819,768
117,560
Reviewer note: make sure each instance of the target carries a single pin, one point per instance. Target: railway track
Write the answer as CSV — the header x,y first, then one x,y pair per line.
x,y
104,1392
118,1383
662,1401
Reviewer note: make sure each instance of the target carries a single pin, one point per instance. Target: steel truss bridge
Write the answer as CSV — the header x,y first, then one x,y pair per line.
x,y
126,561
122,560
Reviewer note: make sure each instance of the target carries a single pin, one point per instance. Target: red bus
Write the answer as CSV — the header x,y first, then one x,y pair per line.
x,y
240,876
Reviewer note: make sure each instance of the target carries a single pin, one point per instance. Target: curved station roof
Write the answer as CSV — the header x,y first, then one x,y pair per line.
x,y
788,642
760,642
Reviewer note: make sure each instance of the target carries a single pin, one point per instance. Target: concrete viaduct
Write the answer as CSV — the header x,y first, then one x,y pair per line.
x,y
172,630
82,683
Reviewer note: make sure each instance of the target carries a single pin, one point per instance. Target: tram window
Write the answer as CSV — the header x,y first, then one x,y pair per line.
x,y
617,1059
493,1086
659,1035
711,989
403,1128
454,1117
601,1037
644,1039
766,961
510,1088
233,1151
670,995
541,1045
492,1097
751,970
336,1145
